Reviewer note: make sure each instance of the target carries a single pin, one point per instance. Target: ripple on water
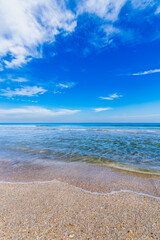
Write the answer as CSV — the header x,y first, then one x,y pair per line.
x,y
137,146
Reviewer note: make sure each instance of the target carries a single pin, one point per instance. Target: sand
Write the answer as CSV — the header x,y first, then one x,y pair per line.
x,y
57,210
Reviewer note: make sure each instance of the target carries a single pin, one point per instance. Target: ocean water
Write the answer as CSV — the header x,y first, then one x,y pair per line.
x,y
135,146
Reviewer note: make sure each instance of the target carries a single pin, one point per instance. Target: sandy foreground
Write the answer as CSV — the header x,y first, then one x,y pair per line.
x,y
57,210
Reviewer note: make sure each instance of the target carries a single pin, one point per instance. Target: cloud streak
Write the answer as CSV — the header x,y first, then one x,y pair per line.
x,y
19,80
146,72
24,91
111,97
66,85
37,111
101,109
34,114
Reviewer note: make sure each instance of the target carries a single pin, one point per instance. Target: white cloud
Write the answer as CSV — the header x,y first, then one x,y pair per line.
x,y
36,112
57,92
146,72
1,67
141,4
24,91
111,97
157,10
20,79
66,85
108,9
101,109
26,25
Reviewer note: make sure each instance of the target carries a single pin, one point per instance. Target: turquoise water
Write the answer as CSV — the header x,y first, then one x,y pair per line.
x,y
134,145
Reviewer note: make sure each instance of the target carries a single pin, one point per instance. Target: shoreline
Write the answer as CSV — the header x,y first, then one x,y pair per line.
x,y
87,176
130,169
78,201
81,189
57,210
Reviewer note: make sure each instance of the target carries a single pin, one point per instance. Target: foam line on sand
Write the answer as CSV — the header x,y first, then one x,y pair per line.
x,y
81,189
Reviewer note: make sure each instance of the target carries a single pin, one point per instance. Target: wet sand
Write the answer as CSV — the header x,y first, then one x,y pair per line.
x,y
63,205
57,210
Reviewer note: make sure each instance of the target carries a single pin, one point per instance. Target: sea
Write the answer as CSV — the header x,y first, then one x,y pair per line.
x,y
133,147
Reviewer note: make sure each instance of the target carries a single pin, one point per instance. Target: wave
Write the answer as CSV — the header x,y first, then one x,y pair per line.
x,y
49,156
130,131
84,125
110,128
115,165
84,190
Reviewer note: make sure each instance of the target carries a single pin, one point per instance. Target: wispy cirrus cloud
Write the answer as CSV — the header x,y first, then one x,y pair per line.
x,y
146,72
157,10
24,91
38,111
102,8
101,109
27,25
1,67
60,87
110,9
66,85
109,12
20,80
112,97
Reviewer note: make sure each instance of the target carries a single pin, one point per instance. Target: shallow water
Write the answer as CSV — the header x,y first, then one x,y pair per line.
x,y
116,145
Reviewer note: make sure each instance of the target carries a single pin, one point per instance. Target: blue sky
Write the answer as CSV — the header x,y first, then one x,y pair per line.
x,y
80,61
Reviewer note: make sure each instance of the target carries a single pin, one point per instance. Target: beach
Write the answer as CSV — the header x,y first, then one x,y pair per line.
x,y
80,120
72,192
56,210
87,202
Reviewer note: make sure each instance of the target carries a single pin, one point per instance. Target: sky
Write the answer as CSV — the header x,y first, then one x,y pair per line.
x,y
79,61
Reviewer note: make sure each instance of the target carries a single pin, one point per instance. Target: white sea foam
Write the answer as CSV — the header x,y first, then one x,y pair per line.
x,y
132,131
137,145
83,190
